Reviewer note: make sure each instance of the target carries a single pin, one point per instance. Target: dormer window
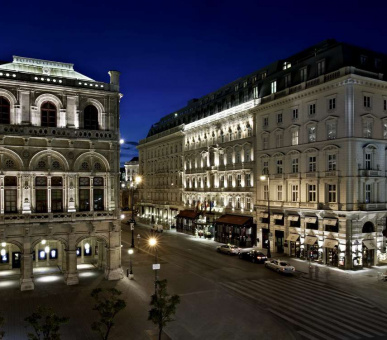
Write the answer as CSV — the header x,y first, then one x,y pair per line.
x,y
286,65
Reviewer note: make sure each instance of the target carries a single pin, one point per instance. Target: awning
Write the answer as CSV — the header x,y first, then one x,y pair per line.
x,y
192,214
329,243
310,219
369,244
278,216
330,221
292,237
234,219
310,240
293,218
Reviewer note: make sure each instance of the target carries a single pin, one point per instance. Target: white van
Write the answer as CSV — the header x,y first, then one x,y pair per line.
x,y
158,228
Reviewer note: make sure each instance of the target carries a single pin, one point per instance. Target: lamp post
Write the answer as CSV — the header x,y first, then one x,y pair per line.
x,y
267,178
132,221
156,266
130,252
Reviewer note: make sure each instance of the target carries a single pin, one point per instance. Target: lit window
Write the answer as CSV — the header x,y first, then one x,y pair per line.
x,y
311,134
274,86
295,137
367,128
332,162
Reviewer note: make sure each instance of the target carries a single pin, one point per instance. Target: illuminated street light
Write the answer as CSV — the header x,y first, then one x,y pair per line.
x,y
153,243
137,180
130,275
122,141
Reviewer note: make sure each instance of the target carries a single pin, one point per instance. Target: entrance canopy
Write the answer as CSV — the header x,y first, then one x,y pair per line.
x,y
294,218
369,244
278,216
310,219
310,240
192,214
329,243
330,221
292,237
235,219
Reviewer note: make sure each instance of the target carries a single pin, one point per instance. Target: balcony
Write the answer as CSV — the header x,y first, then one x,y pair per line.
x,y
334,173
311,174
40,131
370,173
295,175
372,206
57,217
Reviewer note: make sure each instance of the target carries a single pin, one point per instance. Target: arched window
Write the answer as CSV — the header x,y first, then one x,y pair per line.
x,y
48,114
90,118
4,111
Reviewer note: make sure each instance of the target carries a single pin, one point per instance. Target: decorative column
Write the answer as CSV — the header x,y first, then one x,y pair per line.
x,y
113,270
26,282
71,275
26,196
71,193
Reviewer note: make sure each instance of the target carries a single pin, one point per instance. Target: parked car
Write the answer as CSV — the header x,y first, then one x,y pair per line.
x,y
280,266
158,228
254,256
228,249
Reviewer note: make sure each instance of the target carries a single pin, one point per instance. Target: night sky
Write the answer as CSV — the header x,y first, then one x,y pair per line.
x,y
169,52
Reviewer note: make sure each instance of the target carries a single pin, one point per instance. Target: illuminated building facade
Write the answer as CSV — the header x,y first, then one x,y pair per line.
x,y
59,161
315,124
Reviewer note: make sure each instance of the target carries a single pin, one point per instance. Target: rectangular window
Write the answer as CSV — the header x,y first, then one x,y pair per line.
x,y
303,74
279,118
294,165
311,192
248,180
229,181
10,201
41,200
98,198
279,192
295,114
247,155
332,162
294,193
312,109
221,184
295,137
367,101
332,103
332,193
84,200
279,166
384,104
368,193
265,168
311,134
288,80
265,143
321,67
56,200
274,86
331,130
256,93
367,129
279,140
312,164
385,130
265,121
248,203
239,180
368,161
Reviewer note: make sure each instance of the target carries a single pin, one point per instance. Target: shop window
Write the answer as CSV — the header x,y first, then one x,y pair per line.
x,y
42,254
53,254
4,257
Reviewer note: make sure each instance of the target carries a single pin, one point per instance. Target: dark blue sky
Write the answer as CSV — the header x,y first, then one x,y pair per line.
x,y
171,51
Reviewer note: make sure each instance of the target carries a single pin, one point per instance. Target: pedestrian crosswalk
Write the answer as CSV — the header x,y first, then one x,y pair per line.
x,y
316,310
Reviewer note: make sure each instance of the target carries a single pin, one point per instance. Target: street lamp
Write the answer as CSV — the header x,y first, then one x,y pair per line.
x,y
137,179
267,178
156,266
130,252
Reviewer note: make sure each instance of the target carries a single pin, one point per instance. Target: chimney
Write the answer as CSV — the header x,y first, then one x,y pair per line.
x,y
115,78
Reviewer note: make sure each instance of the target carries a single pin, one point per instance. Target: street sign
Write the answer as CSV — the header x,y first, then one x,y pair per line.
x,y
132,227
156,266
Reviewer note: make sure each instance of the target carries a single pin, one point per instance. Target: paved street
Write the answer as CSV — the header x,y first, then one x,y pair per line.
x,y
222,297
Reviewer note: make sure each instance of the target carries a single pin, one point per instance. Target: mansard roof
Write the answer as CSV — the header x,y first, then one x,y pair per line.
x,y
335,54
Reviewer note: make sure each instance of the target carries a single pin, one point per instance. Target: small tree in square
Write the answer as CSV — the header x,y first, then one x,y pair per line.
x,y
46,324
108,305
164,306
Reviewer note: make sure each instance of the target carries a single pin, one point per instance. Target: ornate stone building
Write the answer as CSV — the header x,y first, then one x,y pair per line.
x,y
59,163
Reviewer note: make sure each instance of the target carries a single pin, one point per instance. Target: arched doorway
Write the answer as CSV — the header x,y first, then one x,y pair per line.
x,y
368,245
10,257
48,256
91,253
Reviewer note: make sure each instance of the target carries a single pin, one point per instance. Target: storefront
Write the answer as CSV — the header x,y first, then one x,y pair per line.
x,y
236,229
186,221
294,245
331,249
311,248
368,254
